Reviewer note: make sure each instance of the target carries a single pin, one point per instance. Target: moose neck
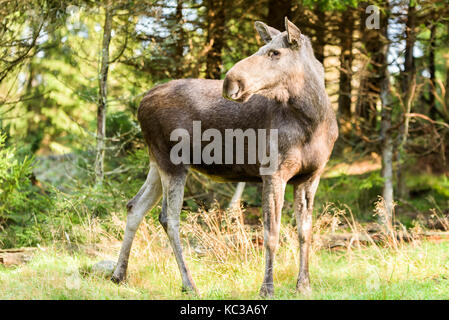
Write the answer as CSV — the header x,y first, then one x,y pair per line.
x,y
308,99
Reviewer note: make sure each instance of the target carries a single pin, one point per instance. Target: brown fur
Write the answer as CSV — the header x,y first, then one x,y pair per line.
x,y
307,131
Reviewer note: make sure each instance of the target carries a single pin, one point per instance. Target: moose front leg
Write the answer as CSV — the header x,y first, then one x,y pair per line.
x,y
304,195
272,202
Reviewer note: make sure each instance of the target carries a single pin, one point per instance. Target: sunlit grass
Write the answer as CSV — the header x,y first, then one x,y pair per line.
x,y
414,271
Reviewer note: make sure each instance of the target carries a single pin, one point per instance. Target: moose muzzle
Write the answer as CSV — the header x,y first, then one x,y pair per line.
x,y
232,88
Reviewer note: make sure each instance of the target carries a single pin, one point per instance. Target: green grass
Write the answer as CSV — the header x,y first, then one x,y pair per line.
x,y
415,271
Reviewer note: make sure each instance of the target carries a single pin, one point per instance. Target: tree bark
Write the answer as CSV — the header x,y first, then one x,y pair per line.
x,y
369,89
33,125
102,102
277,11
446,95
408,90
385,132
432,71
180,39
216,22
346,57
320,33
403,135
409,60
235,201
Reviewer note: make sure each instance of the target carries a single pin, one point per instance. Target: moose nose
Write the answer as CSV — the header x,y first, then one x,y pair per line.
x,y
231,88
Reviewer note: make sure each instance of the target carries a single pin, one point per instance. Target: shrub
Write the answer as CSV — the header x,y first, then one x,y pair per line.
x,y
21,203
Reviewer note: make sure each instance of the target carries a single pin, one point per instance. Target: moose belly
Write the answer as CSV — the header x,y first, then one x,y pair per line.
x,y
229,173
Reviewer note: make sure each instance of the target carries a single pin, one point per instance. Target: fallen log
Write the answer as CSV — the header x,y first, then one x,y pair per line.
x,y
14,250
345,240
15,257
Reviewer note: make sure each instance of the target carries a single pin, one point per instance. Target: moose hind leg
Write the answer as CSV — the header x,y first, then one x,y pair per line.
x,y
150,194
304,196
135,199
273,200
173,195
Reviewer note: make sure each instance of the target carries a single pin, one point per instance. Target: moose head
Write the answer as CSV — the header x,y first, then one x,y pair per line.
x,y
276,70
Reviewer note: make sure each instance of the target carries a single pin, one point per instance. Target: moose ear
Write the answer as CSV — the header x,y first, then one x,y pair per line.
x,y
266,33
293,32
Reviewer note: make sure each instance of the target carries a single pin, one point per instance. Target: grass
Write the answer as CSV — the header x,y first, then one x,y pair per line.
x,y
229,265
414,272
225,255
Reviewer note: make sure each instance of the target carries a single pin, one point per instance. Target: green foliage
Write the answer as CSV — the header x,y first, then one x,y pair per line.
x,y
357,192
426,185
328,5
13,174
123,131
42,214
14,178
21,203
374,180
442,186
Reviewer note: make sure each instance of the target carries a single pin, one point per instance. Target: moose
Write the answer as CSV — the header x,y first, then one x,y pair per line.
x,y
281,87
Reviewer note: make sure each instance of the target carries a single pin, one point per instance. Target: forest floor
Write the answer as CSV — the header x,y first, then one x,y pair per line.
x,y
417,270
224,250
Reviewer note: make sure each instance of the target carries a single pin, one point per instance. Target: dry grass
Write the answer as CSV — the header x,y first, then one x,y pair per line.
x,y
226,260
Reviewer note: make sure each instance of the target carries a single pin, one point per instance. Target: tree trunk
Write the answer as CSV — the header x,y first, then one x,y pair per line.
x,y
403,135
180,39
102,102
432,105
320,33
446,95
369,89
235,201
387,150
277,11
346,57
385,132
215,37
408,90
409,61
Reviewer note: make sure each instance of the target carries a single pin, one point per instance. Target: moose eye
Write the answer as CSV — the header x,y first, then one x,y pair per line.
x,y
274,53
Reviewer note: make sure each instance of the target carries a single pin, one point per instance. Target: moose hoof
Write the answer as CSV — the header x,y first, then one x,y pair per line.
x,y
118,277
303,288
190,289
267,290
116,280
